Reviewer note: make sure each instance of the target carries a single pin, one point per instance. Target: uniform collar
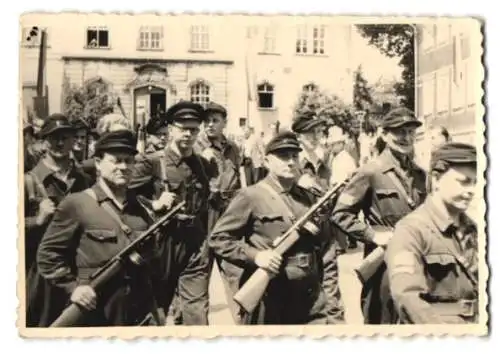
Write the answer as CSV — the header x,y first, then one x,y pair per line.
x,y
43,169
389,161
204,142
173,154
276,185
441,216
103,193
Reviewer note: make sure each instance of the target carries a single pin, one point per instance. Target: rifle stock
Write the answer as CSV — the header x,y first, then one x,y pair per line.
x,y
249,295
74,313
370,265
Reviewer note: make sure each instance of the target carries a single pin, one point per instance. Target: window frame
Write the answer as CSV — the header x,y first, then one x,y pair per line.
x,y
263,89
197,35
97,29
150,30
311,39
200,94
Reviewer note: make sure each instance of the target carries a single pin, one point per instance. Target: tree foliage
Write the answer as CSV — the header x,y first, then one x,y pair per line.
x,y
88,102
326,106
396,40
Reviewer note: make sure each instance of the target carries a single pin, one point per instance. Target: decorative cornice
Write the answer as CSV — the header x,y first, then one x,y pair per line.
x,y
144,61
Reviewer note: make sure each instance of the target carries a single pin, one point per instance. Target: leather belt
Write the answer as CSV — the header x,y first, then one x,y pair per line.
x,y
301,259
463,307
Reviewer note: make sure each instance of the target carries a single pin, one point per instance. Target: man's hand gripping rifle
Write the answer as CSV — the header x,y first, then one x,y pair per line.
x,y
250,294
73,313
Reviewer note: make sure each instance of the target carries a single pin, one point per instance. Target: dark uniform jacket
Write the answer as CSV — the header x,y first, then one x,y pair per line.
x,y
426,259
253,220
384,192
81,238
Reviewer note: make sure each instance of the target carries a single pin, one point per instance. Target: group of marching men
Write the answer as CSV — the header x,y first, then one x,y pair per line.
x,y
80,213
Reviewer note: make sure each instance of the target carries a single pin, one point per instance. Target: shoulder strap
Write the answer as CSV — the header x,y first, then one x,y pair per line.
x,y
111,211
402,190
289,214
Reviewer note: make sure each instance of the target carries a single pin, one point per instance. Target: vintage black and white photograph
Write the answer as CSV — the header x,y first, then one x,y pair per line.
x,y
239,174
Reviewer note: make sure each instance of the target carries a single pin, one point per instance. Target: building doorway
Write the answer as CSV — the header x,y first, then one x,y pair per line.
x,y
149,101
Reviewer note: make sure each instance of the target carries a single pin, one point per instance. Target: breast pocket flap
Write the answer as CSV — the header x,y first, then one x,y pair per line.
x,y
440,258
386,193
102,235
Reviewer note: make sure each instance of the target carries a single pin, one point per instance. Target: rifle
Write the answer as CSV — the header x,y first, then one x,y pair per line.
x,y
73,313
372,262
249,295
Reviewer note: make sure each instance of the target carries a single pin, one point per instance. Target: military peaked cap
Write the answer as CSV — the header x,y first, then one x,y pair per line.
x,y
213,107
80,124
286,140
55,122
185,110
306,122
399,117
118,140
454,154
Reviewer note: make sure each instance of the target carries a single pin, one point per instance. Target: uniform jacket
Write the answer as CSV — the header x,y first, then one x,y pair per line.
x,y
423,267
383,192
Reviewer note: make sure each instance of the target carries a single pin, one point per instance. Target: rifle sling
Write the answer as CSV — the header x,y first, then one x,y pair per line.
x,y
286,209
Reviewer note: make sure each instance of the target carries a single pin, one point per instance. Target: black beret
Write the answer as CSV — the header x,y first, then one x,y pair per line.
x,y
213,107
306,122
55,122
118,140
400,117
156,123
454,154
185,110
285,140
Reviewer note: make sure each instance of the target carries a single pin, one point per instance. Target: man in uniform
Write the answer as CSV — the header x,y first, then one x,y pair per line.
x,y
179,172
91,227
157,131
81,140
53,178
432,259
385,189
257,216
315,177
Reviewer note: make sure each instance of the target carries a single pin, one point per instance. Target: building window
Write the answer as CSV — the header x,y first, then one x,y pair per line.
x,y
319,40
265,93
32,36
97,37
310,88
314,35
301,44
200,38
270,40
200,93
151,38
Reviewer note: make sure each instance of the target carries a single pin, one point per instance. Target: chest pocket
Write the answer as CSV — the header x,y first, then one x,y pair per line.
x,y
103,236
442,273
270,224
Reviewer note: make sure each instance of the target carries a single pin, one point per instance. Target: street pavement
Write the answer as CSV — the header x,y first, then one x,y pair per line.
x,y
349,286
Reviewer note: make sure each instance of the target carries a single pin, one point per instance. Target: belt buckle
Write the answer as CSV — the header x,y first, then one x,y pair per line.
x,y
303,260
467,307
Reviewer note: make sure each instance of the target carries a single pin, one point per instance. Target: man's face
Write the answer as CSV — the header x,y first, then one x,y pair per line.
x,y
60,143
456,186
184,133
80,137
214,126
115,167
437,138
401,139
284,163
314,135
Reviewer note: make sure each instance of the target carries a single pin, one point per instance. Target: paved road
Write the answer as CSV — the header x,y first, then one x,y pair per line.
x,y
349,286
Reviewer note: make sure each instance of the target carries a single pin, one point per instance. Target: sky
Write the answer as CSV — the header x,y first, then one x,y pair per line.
x,y
374,63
